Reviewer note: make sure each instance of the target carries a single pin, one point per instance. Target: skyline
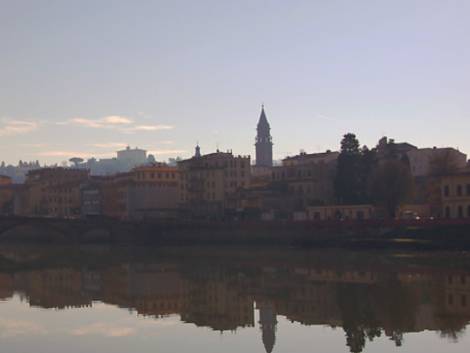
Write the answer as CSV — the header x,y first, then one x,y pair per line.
x,y
88,79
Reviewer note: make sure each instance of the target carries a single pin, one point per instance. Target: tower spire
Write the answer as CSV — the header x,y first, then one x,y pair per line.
x,y
197,152
264,145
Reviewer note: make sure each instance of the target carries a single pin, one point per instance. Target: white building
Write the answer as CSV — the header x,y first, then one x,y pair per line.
x,y
421,159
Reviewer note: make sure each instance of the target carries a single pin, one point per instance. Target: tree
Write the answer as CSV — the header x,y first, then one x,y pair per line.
x,y
350,144
391,184
76,161
151,159
353,171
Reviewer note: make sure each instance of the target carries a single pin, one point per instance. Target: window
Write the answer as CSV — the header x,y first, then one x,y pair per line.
x,y
468,211
446,191
468,189
447,211
460,211
459,190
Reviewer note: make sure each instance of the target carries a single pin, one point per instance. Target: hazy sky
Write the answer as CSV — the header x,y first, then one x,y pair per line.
x,y
88,77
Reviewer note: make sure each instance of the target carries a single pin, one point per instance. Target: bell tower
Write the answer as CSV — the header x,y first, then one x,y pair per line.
x,y
264,144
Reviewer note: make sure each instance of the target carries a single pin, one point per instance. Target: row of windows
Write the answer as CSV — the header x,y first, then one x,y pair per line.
x,y
59,200
212,185
458,190
463,300
232,164
61,190
292,174
160,185
66,210
461,211
206,174
462,279
153,175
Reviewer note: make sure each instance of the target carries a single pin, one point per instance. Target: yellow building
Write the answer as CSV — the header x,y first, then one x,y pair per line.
x,y
154,192
146,192
456,195
308,178
52,192
208,182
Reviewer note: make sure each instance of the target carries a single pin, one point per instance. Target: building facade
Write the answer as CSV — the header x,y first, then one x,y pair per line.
x,y
52,192
308,178
422,159
154,192
340,212
208,182
6,195
146,192
456,196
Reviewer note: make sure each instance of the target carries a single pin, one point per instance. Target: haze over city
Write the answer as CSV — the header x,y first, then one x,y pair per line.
x,y
86,79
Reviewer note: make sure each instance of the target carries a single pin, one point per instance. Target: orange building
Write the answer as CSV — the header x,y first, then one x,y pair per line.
x,y
52,192
147,192
6,194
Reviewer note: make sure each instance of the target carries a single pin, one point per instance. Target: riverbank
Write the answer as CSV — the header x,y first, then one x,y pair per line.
x,y
412,235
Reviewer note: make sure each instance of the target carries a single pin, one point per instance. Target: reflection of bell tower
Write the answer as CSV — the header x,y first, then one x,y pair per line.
x,y
268,322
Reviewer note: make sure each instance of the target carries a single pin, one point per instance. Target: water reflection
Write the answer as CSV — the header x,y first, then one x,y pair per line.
x,y
366,295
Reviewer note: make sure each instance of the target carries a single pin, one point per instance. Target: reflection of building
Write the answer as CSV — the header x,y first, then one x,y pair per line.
x,y
53,288
455,191
217,304
457,299
218,291
268,323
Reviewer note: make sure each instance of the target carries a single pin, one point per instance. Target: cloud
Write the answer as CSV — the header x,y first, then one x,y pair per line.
x,y
151,127
11,328
17,127
117,120
109,145
70,154
106,122
121,123
104,329
86,122
167,152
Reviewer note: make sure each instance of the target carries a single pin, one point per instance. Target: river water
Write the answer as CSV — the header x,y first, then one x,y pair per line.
x,y
105,299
